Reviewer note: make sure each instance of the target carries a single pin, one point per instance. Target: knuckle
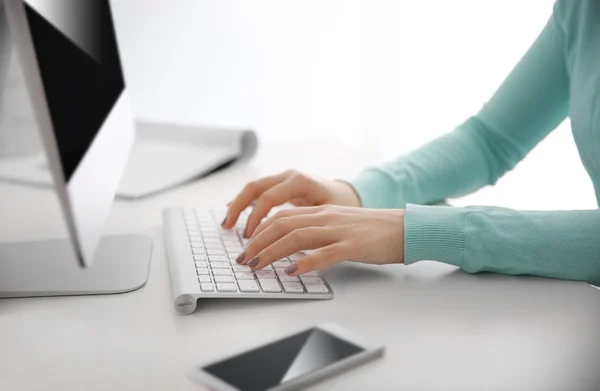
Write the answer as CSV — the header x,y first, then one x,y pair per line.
x,y
329,252
351,246
265,200
279,215
297,175
301,234
322,208
281,225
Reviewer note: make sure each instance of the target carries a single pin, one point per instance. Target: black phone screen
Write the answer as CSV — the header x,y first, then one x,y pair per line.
x,y
283,360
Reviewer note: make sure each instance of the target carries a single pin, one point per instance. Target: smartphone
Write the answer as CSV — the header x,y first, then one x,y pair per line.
x,y
289,363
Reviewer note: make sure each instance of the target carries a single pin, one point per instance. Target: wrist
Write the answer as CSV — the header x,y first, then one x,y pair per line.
x,y
348,196
399,218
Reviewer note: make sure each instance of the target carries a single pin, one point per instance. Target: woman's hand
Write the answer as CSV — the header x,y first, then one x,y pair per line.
x,y
340,233
290,186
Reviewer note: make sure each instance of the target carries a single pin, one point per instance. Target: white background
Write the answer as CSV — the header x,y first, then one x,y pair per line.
x,y
383,76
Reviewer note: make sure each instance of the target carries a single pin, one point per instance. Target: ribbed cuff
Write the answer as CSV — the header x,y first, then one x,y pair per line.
x,y
374,188
434,233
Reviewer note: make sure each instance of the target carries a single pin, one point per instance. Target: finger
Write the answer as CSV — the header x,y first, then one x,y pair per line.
x,y
299,202
278,230
320,259
248,194
299,239
285,214
275,196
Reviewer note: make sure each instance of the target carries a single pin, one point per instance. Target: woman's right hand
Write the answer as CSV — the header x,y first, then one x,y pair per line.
x,y
290,186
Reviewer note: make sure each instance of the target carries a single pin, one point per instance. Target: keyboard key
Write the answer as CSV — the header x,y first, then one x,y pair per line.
x,y
311,280
197,243
215,249
200,264
202,271
233,255
198,251
311,274
265,274
286,278
218,258
211,239
222,272
269,285
281,263
226,287
248,286
240,268
292,287
244,276
219,265
296,257
315,288
199,257
280,272
224,279
204,279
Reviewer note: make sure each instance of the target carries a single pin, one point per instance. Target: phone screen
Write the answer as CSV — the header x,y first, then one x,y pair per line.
x,y
283,360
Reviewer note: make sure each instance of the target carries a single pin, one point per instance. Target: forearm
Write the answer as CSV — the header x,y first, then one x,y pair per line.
x,y
559,244
450,166
531,102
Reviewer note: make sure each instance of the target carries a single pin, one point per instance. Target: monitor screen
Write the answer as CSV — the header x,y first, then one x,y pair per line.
x,y
76,49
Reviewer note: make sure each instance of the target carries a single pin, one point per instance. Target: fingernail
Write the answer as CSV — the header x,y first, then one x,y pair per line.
x,y
224,220
245,233
291,269
253,262
241,257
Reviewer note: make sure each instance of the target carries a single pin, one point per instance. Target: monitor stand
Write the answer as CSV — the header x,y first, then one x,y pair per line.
x,y
49,268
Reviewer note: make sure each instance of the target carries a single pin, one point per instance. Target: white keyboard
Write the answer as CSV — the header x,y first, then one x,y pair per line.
x,y
201,257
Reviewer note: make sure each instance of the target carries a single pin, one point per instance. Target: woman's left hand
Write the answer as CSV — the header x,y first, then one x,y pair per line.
x,y
339,233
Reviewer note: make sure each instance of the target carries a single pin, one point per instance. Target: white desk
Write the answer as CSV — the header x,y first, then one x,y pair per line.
x,y
443,329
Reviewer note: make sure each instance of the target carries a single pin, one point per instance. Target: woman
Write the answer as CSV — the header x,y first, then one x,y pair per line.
x,y
381,216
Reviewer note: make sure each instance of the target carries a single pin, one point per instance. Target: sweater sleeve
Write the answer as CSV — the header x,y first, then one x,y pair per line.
x,y
557,244
531,102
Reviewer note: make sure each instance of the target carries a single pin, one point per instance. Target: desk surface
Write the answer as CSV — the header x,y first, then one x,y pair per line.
x,y
442,329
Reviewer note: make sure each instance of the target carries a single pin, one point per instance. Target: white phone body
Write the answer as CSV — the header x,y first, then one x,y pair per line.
x,y
368,353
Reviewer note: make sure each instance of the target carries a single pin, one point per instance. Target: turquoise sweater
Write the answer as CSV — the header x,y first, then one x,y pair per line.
x,y
558,76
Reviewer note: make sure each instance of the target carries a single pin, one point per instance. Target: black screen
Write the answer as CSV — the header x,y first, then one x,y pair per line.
x,y
283,360
77,54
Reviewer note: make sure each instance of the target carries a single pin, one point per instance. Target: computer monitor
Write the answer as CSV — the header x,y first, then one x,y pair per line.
x,y
69,57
